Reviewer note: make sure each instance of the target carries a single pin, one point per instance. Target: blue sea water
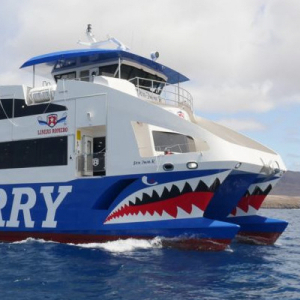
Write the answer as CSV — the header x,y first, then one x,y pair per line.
x,y
137,270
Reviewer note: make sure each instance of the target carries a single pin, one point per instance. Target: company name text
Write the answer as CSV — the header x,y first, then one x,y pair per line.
x,y
25,199
53,130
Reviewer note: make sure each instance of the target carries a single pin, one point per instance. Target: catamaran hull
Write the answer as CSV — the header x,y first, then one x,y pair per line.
x,y
239,200
118,207
196,234
259,230
255,229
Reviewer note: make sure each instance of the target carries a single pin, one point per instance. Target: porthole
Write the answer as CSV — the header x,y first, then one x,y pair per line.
x,y
168,167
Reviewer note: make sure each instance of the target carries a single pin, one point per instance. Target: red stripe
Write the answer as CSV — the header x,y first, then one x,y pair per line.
x,y
258,238
185,243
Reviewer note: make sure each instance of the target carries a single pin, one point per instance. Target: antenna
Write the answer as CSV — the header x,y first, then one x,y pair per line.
x,y
90,35
94,44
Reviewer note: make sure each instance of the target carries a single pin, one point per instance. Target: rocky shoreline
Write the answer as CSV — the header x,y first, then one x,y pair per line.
x,y
279,201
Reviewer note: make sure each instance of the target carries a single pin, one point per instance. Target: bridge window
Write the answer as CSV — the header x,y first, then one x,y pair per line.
x,y
85,75
66,76
65,63
145,79
142,79
110,71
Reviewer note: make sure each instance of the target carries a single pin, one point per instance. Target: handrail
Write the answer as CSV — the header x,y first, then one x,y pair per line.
x,y
158,91
162,92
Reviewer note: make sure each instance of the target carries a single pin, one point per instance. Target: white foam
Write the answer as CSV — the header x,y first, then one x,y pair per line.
x,y
25,279
127,245
229,249
30,240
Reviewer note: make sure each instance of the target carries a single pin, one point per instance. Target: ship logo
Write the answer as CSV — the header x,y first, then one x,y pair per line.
x,y
181,114
52,120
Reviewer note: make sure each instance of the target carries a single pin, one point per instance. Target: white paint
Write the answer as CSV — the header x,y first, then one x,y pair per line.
x,y
51,204
24,207
24,200
3,201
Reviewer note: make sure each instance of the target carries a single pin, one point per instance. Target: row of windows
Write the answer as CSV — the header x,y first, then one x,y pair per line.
x,y
127,72
72,62
34,153
15,108
65,76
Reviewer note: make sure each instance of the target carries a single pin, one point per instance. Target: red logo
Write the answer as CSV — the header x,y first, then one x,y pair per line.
x,y
52,120
180,114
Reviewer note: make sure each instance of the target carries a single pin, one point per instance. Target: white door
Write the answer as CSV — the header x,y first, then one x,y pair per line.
x,y
88,155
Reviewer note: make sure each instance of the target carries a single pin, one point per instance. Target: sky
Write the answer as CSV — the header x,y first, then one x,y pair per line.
x,y
242,56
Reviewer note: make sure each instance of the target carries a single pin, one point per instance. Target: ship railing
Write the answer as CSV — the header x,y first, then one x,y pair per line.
x,y
87,164
162,92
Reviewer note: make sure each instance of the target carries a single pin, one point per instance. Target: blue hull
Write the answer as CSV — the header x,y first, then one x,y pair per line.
x,y
231,195
258,230
100,209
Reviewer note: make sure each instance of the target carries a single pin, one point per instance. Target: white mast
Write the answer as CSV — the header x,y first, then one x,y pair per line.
x,y
94,44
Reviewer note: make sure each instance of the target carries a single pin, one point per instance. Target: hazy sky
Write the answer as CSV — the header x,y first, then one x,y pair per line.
x,y
242,56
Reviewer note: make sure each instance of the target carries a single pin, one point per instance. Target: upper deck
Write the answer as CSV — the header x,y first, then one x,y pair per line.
x,y
154,82
83,57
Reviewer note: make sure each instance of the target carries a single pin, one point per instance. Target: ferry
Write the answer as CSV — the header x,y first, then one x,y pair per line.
x,y
110,148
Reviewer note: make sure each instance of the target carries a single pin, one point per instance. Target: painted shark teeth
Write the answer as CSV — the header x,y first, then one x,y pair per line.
x,y
250,203
167,201
195,213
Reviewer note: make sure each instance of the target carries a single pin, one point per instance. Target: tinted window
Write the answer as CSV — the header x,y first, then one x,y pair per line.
x,y
129,72
67,76
16,108
6,154
6,106
108,70
174,141
64,63
34,153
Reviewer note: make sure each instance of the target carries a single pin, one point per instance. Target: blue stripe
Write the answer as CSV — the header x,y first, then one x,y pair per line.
x,y
258,224
91,200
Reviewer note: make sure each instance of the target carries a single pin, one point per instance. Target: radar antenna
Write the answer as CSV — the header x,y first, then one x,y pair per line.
x,y
94,44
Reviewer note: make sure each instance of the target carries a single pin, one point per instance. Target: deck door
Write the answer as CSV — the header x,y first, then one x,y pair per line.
x,y
88,155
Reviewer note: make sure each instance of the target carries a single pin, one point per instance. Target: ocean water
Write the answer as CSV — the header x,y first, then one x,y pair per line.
x,y
135,270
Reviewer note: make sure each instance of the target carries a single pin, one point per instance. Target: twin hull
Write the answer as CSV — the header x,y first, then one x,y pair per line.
x,y
186,209
105,130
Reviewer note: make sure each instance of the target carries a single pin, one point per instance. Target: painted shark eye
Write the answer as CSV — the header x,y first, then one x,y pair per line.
x,y
168,167
192,165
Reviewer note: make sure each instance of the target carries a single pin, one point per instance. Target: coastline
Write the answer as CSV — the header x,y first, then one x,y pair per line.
x,y
281,201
